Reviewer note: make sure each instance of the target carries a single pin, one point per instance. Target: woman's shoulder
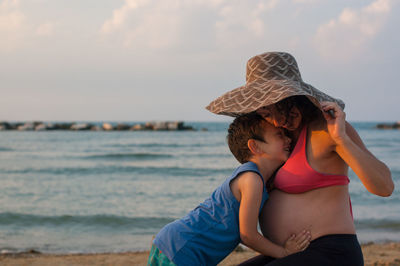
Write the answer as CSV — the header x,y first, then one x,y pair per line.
x,y
318,133
318,124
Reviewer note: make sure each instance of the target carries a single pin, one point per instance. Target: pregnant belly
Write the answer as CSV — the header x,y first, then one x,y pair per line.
x,y
322,211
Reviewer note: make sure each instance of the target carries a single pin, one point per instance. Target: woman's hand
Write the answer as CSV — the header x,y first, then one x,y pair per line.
x,y
335,120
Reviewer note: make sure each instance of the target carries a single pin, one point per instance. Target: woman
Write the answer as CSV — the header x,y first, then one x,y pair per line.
x,y
312,187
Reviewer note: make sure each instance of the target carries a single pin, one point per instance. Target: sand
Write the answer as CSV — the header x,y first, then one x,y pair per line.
x,y
374,254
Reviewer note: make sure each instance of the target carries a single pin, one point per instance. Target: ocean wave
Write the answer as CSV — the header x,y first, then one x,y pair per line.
x,y
31,220
122,156
152,156
5,149
163,145
115,169
384,224
210,155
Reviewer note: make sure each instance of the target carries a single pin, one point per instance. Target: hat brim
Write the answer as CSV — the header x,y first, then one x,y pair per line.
x,y
260,93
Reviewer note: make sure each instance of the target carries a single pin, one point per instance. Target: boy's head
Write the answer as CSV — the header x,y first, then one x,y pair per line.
x,y
249,135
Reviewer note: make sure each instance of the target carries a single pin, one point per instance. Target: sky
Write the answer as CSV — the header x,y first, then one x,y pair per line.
x,y
146,60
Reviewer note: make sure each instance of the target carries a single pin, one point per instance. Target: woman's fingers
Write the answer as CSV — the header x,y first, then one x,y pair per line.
x,y
336,125
329,110
332,110
326,106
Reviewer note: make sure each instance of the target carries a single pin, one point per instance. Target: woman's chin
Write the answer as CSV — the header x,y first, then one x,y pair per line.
x,y
290,128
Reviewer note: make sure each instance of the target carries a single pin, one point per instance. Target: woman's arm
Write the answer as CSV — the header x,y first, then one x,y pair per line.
x,y
250,187
373,173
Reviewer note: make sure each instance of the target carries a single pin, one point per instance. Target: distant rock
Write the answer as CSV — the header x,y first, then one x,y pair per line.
x,y
80,127
40,126
174,125
50,126
389,126
167,125
160,126
149,125
122,127
26,127
5,126
64,126
107,126
96,128
138,127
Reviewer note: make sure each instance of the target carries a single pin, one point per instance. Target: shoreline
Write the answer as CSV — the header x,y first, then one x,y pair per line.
x,y
385,253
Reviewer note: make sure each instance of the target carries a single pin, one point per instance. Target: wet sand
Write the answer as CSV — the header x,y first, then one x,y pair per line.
x,y
374,254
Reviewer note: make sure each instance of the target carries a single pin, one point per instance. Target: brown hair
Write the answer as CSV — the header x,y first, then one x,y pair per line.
x,y
308,110
243,128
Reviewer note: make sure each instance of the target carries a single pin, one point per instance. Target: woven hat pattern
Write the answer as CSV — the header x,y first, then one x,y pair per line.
x,y
270,78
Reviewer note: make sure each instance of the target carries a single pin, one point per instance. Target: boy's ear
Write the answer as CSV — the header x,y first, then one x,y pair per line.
x,y
253,146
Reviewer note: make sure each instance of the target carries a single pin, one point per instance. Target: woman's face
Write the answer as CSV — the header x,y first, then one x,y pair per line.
x,y
273,116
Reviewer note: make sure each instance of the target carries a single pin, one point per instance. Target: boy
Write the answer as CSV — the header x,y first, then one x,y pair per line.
x,y
211,231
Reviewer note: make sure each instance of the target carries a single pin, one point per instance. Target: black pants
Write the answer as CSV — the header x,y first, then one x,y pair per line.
x,y
334,250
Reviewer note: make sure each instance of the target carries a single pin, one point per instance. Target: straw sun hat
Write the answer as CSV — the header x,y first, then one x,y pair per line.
x,y
270,78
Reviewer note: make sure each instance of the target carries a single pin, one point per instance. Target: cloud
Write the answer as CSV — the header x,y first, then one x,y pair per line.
x,y
305,1
242,19
348,35
176,23
145,24
17,29
11,19
8,3
120,15
12,22
45,29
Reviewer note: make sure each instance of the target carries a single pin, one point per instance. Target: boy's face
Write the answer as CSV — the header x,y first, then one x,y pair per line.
x,y
276,144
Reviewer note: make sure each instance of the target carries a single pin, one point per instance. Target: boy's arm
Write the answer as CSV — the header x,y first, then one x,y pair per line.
x,y
251,189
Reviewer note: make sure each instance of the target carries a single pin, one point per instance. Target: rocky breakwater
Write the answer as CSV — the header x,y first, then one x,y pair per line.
x,y
389,125
41,126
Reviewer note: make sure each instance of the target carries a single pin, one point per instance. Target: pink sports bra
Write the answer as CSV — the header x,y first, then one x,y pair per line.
x,y
297,176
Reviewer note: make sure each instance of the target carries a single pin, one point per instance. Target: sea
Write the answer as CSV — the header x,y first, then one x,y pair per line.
x,y
97,191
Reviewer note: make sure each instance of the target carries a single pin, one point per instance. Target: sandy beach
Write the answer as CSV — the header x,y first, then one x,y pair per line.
x,y
374,254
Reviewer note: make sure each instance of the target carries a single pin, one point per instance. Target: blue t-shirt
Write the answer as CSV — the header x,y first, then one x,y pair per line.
x,y
210,232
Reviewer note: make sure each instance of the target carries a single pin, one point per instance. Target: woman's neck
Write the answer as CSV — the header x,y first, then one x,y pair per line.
x,y
294,135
